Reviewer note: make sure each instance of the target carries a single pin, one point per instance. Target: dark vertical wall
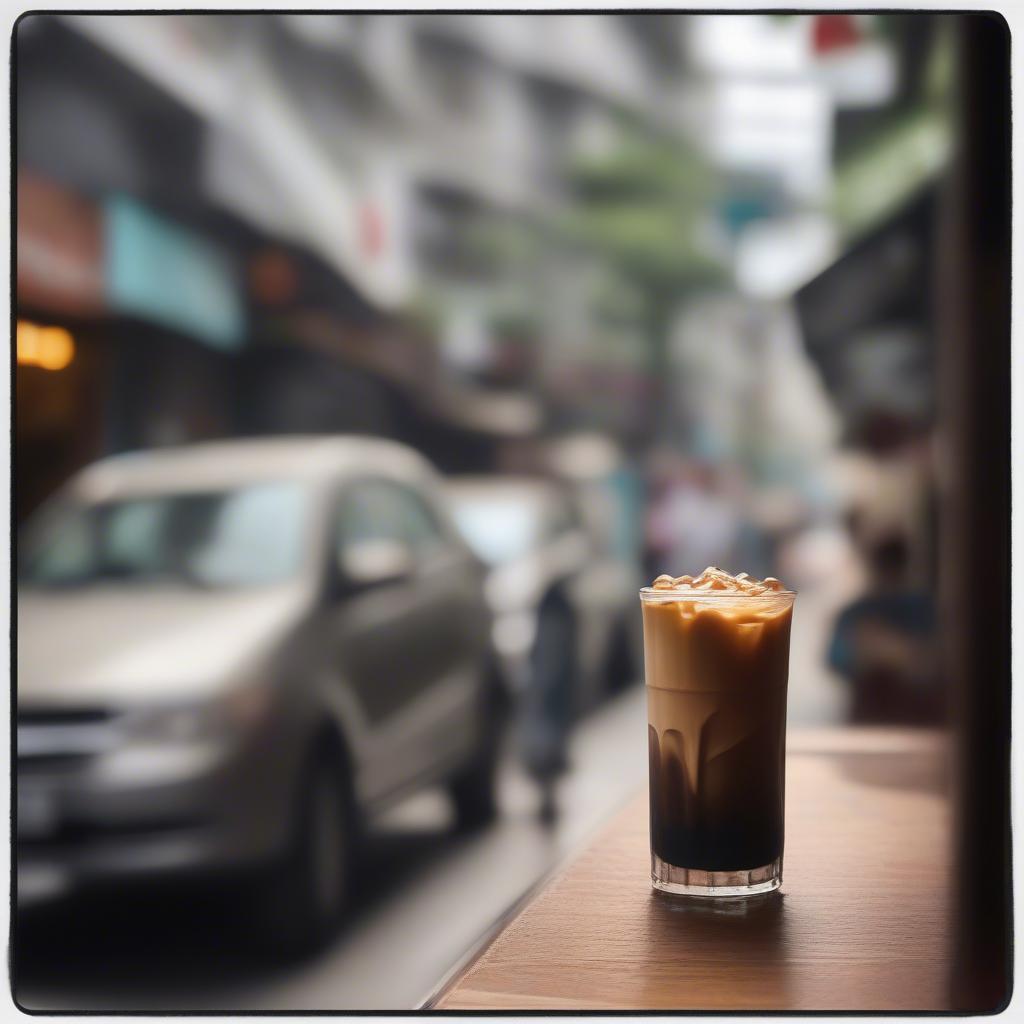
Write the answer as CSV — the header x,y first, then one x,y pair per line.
x,y
87,121
975,508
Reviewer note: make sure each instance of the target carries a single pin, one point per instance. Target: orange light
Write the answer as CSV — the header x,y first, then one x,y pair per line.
x,y
51,348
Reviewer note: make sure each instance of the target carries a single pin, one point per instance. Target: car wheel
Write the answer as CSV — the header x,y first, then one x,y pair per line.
x,y
474,789
308,891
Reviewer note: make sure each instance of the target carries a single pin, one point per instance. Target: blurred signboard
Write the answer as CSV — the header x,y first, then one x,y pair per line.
x,y
59,254
858,67
162,272
866,320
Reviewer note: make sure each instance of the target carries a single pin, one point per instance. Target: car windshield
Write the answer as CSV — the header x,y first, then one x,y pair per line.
x,y
499,528
244,537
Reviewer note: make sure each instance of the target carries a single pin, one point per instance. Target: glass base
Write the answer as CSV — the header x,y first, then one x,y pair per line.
x,y
730,884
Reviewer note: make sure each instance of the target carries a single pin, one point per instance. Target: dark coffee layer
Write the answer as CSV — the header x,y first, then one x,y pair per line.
x,y
728,818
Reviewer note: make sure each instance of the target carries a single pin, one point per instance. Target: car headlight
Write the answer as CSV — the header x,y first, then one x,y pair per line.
x,y
178,724
215,719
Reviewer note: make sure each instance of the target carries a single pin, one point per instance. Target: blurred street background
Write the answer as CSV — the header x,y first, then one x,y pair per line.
x,y
649,292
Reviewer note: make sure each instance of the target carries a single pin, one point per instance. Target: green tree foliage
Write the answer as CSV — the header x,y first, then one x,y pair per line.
x,y
643,208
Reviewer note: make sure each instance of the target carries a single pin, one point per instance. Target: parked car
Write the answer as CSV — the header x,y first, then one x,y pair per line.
x,y
230,655
532,535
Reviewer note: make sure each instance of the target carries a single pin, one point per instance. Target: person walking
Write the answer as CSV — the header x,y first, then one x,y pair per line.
x,y
547,706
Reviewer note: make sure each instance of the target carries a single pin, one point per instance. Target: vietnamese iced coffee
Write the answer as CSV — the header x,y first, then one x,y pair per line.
x,y
716,652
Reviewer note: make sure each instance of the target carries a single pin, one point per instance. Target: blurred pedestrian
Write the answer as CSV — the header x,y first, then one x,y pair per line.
x,y
546,711
695,523
883,642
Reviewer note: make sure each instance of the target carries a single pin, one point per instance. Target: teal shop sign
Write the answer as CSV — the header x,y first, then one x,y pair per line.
x,y
159,271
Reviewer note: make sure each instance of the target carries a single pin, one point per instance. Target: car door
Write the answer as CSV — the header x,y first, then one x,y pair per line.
x,y
458,627
395,636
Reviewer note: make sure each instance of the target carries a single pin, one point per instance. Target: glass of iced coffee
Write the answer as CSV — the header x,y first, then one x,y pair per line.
x,y
716,654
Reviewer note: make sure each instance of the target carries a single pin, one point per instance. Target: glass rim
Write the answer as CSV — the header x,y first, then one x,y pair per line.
x,y
655,595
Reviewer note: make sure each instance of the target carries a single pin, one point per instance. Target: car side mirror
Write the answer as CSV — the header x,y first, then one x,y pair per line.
x,y
373,563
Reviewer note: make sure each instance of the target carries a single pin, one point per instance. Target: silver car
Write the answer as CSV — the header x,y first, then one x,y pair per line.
x,y
230,654
535,539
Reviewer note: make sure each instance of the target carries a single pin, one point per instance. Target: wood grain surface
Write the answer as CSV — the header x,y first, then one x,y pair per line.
x,y
861,921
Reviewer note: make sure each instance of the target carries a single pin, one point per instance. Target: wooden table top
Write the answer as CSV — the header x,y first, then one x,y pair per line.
x,y
861,921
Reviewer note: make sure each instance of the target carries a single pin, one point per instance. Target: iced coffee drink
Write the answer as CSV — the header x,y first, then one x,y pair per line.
x,y
716,652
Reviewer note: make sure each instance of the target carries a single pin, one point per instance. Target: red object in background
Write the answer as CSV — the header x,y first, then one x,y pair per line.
x,y
59,250
273,277
371,230
835,32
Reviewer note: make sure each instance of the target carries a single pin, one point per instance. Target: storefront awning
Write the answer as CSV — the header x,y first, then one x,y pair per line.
x,y
867,320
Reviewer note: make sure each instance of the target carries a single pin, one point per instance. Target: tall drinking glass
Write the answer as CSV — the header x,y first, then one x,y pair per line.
x,y
717,667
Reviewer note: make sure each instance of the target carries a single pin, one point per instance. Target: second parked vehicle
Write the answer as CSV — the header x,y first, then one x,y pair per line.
x,y
536,543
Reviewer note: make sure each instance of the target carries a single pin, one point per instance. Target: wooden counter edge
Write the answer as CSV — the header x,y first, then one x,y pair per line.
x,y
462,966
809,744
